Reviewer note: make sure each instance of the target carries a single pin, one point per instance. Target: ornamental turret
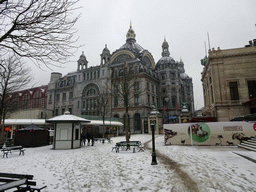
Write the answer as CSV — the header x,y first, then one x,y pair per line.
x,y
105,56
130,34
165,48
82,62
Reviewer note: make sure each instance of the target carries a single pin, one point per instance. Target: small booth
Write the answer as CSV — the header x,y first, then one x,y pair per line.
x,y
67,131
31,136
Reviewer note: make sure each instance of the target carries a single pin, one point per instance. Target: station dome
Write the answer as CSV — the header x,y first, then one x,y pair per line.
x,y
166,59
184,76
131,42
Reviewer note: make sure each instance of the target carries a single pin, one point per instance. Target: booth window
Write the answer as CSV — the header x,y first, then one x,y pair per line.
x,y
77,134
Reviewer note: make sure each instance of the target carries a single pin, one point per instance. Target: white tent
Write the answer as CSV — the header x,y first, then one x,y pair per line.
x,y
100,122
24,121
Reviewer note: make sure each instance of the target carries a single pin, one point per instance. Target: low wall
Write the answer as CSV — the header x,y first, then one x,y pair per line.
x,y
215,133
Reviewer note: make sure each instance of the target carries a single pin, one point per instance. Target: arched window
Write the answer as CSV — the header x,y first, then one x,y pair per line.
x,y
90,96
37,99
25,100
15,101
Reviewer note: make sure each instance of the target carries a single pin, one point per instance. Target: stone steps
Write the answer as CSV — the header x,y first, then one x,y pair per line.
x,y
249,144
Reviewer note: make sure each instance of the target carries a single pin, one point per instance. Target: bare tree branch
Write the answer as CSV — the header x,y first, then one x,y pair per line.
x,y
102,105
124,89
41,30
13,77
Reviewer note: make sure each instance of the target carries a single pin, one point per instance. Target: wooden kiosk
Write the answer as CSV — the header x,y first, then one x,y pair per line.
x,y
67,131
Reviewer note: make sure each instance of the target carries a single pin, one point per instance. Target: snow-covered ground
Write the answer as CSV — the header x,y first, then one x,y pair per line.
x,y
96,168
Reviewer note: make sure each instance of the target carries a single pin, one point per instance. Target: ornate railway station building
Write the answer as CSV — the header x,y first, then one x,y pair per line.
x,y
164,84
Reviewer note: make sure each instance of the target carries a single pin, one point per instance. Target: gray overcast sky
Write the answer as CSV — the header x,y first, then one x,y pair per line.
x,y
184,23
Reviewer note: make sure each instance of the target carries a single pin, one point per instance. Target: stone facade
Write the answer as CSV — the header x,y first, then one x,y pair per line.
x,y
165,85
229,83
175,85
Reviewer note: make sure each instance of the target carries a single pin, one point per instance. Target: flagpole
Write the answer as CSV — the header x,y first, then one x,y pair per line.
x,y
209,40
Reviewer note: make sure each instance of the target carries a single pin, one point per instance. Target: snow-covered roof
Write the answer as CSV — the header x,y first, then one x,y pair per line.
x,y
100,122
67,117
60,118
31,127
24,121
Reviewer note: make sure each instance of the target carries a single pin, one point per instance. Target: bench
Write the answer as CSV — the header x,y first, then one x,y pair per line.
x,y
113,148
32,189
103,140
5,153
126,145
20,181
22,152
38,188
7,150
109,140
141,149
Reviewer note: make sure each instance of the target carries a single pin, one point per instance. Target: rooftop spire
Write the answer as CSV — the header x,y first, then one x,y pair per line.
x,y
130,34
165,49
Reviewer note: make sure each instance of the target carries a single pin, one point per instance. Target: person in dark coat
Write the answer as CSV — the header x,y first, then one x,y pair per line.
x,y
92,140
84,139
81,140
89,139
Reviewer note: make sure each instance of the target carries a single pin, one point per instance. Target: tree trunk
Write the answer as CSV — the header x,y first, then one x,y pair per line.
x,y
1,133
103,129
127,133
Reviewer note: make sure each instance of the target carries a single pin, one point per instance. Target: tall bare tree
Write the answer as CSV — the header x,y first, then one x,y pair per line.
x,y
41,30
102,105
13,77
124,89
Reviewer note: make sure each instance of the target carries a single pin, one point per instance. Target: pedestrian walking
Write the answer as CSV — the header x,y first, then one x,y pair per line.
x,y
92,140
89,139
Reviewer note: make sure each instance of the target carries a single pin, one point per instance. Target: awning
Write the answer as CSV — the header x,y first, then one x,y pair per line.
x,y
24,121
67,117
99,122
250,101
203,119
31,127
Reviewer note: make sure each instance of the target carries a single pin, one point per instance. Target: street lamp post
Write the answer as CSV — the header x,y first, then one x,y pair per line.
x,y
154,162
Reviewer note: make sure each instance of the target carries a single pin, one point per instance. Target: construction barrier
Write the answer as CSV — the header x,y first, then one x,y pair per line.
x,y
214,133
